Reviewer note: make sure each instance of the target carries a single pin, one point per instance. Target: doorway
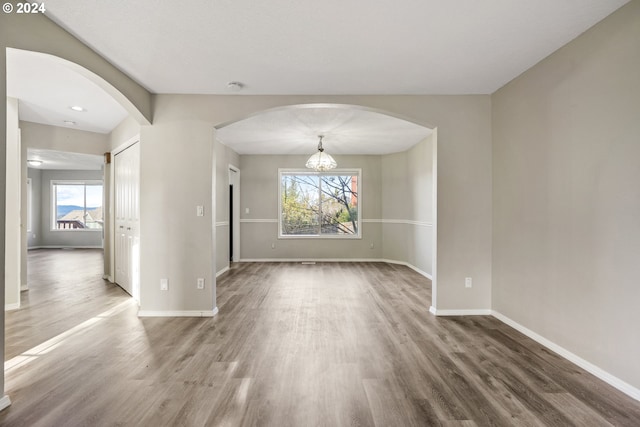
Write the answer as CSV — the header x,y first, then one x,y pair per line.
x,y
234,214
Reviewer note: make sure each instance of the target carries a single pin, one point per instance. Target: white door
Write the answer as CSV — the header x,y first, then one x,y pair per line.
x,y
127,219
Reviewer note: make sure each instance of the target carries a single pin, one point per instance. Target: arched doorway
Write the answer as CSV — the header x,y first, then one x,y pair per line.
x,y
405,234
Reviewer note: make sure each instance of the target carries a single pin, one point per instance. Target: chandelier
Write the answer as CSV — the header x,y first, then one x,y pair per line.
x,y
321,161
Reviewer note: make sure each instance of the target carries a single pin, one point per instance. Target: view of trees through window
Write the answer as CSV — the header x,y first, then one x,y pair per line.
x,y
77,206
319,204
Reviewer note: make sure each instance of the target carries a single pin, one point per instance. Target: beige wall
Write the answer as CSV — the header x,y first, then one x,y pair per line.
x,y
177,175
60,138
566,160
176,164
13,226
33,239
407,206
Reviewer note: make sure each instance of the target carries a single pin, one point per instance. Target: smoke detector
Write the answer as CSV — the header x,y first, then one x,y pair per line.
x,y
235,86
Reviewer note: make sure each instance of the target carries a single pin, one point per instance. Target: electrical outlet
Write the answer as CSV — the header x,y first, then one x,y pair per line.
x,y
164,284
371,246
199,210
468,282
273,246
200,283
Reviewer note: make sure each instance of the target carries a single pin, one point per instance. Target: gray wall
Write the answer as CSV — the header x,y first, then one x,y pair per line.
x,y
75,238
259,193
126,130
33,238
566,163
407,206
35,135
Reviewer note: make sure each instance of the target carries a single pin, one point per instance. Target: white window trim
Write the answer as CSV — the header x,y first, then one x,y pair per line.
x,y
333,172
54,201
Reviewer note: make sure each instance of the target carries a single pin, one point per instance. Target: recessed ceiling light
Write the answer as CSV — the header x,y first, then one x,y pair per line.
x,y
235,86
78,108
69,122
34,162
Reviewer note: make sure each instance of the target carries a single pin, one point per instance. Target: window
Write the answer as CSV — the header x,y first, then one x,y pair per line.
x,y
314,204
77,205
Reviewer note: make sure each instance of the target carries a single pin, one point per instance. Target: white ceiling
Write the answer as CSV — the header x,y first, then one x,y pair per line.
x,y
46,88
60,160
295,130
287,47
330,46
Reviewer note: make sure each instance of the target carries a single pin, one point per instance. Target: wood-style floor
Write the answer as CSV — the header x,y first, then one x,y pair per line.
x,y
332,344
65,289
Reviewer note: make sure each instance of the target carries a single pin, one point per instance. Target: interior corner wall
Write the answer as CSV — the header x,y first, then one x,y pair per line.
x,y
224,156
566,164
24,230
407,206
3,193
34,237
13,225
125,131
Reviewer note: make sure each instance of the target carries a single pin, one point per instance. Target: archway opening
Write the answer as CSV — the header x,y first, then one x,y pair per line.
x,y
398,160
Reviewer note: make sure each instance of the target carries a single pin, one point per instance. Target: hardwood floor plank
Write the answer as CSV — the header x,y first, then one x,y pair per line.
x,y
331,344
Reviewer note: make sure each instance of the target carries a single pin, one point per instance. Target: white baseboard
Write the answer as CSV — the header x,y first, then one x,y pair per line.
x,y
14,306
107,278
468,312
587,366
5,402
388,261
311,260
187,313
64,247
221,272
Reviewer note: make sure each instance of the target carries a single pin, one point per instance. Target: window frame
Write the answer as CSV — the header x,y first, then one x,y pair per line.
x,y
54,204
334,172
